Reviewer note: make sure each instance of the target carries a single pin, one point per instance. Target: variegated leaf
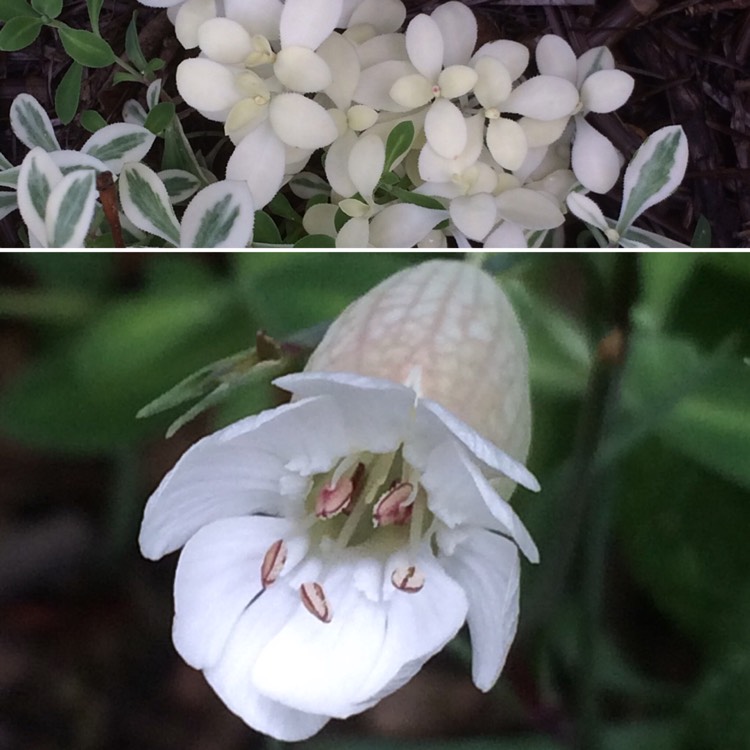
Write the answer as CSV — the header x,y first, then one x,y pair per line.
x,y
36,179
654,172
220,215
31,124
180,184
133,112
70,209
8,203
145,202
9,177
4,163
153,92
586,210
119,144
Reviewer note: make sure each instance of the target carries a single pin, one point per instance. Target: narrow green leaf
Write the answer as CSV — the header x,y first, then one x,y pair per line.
x,y
70,209
398,143
316,240
702,234
406,196
178,153
654,172
159,117
122,77
86,47
146,203
12,8
68,93
92,121
133,45
8,203
49,8
94,8
154,64
266,231
280,206
19,32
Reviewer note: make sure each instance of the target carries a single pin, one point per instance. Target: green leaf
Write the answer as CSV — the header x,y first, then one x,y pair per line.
x,y
94,8
654,172
178,153
82,398
266,232
122,77
315,240
398,143
8,203
664,276
406,196
49,8
133,45
19,32
91,120
702,234
145,202
12,8
86,48
280,206
68,93
160,117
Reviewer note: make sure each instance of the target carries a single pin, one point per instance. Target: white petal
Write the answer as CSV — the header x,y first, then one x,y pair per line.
x,y
433,423
341,56
457,80
237,471
189,18
458,494
301,122
555,57
382,48
384,15
366,162
474,215
259,160
355,233
337,165
445,129
403,225
543,97
319,219
513,55
542,132
376,82
595,161
412,91
606,90
424,43
231,676
529,209
302,70
376,410
459,29
224,41
487,567
258,17
506,234
418,626
359,117
306,23
217,577
494,83
506,141
598,58
206,85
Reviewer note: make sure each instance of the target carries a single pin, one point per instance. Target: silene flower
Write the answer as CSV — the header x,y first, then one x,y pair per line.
x,y
332,545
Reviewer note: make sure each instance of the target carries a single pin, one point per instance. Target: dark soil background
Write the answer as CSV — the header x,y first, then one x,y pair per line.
x,y
690,59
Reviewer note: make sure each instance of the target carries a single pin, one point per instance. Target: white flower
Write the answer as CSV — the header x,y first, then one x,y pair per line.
x,y
334,544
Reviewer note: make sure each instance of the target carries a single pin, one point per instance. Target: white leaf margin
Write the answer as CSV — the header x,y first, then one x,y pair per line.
x,y
38,176
133,113
220,215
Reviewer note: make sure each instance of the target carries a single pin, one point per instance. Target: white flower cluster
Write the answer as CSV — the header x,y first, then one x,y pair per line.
x,y
498,150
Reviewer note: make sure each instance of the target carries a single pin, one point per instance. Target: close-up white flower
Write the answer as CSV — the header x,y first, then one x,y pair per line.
x,y
334,544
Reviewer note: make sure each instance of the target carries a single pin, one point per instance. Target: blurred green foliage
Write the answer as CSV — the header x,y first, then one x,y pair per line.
x,y
667,485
